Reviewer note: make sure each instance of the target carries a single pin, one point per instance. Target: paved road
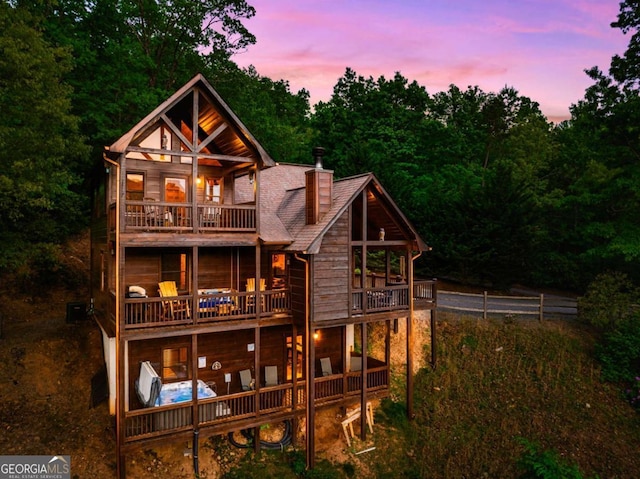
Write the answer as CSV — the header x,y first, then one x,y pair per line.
x,y
553,305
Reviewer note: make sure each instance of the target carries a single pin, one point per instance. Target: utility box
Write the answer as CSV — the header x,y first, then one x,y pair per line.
x,y
76,312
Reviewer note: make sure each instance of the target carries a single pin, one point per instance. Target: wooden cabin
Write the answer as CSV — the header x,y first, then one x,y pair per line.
x,y
241,289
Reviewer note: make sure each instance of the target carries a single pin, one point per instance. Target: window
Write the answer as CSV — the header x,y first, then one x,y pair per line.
x,y
135,186
174,267
278,271
175,363
175,190
213,191
299,358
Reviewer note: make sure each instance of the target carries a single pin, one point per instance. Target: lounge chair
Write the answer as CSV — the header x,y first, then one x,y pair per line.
x,y
173,308
246,380
271,375
251,287
325,364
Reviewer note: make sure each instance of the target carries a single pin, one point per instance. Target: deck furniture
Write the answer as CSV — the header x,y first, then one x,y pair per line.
x,y
210,216
356,363
251,287
351,416
325,364
271,375
246,380
217,301
173,308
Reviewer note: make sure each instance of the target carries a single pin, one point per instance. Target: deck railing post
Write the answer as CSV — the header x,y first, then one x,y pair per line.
x,y
484,305
541,307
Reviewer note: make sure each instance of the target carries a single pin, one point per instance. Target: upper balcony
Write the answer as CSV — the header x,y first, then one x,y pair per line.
x,y
169,217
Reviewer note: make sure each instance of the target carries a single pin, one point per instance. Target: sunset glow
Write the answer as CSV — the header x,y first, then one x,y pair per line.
x,y
539,47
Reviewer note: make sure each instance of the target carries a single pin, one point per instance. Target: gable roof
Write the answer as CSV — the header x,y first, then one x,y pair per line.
x,y
282,218
239,141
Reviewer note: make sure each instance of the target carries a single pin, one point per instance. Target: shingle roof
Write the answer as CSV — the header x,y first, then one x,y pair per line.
x,y
307,238
282,200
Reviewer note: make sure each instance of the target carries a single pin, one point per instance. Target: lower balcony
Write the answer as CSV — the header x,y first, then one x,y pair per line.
x,y
274,402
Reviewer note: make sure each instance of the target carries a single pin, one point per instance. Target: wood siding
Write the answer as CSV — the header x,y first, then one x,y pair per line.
x,y
298,291
331,274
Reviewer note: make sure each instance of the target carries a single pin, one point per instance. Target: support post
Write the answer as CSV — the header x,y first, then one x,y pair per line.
x,y
363,392
196,468
485,300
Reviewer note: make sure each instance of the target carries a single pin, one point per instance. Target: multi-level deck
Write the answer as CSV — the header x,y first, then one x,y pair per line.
x,y
250,288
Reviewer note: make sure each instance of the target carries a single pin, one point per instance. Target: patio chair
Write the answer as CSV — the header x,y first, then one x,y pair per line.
x,y
173,308
150,211
271,375
251,287
246,380
325,364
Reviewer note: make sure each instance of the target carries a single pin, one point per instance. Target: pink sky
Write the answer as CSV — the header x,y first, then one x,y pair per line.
x,y
539,47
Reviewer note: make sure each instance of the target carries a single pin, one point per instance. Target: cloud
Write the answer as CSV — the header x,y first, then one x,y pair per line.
x,y
540,47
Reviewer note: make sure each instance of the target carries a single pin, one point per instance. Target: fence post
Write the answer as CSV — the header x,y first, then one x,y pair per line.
x,y
541,307
484,306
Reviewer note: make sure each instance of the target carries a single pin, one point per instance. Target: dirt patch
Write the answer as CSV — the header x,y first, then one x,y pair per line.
x,y
46,389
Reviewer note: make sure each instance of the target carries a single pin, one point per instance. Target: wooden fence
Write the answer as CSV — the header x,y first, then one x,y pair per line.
x,y
486,304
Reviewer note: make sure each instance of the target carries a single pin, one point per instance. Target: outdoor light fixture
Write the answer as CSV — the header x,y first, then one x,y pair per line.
x,y
164,141
252,177
381,234
316,335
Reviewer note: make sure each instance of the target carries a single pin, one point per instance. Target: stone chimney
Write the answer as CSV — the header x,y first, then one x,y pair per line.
x,y
319,189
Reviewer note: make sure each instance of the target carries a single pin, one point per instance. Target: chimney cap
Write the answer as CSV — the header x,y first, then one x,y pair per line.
x,y
318,153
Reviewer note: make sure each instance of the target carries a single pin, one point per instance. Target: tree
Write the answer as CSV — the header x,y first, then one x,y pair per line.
x,y
274,115
626,69
130,55
39,144
596,197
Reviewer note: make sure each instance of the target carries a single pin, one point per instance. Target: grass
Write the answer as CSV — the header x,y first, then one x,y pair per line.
x,y
499,382
503,394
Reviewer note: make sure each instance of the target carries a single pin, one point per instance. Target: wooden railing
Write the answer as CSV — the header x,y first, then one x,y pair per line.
x,y
161,216
154,312
388,298
157,216
158,421
329,387
377,378
425,291
227,218
393,297
150,422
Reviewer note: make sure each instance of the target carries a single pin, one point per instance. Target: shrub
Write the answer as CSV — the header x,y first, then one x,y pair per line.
x,y
539,464
633,393
619,351
608,301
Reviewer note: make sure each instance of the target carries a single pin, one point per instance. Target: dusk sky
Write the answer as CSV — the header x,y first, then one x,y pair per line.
x,y
539,47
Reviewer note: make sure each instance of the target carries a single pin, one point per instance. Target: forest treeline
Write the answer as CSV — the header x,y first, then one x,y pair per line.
x,y
501,194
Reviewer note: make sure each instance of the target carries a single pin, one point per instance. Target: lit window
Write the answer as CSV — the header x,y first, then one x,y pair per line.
x,y
135,186
175,363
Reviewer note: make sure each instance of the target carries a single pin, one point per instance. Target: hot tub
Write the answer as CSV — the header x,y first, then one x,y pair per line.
x,y
173,393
